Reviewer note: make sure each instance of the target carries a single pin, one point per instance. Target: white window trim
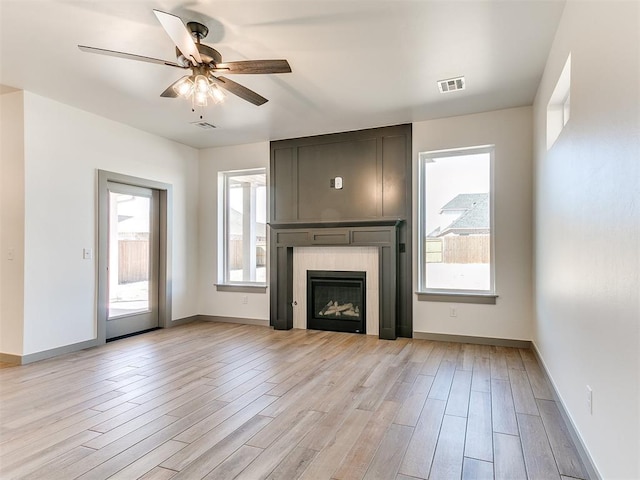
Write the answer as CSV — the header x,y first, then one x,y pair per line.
x,y
454,295
224,284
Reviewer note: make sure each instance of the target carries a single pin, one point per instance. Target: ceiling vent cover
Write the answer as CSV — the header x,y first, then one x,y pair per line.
x,y
451,84
204,125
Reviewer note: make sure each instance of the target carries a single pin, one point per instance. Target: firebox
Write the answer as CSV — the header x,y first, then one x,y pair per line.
x,y
336,301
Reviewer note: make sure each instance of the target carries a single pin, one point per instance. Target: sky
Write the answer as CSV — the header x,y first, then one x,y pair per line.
x,y
447,177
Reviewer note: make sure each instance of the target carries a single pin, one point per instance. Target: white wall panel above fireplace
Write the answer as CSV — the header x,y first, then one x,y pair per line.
x,y
350,259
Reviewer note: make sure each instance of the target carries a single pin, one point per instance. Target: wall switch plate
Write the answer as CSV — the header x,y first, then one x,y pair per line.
x,y
453,311
338,183
87,253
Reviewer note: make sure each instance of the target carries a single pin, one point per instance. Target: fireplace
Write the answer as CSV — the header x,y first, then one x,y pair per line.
x,y
373,209
380,237
336,300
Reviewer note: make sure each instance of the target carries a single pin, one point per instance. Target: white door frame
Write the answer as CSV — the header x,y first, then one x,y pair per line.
x,y
164,265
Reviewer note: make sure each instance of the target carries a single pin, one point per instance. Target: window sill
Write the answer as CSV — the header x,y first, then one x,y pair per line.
x,y
242,287
451,297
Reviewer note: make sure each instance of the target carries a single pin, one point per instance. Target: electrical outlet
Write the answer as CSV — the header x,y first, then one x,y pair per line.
x,y
453,311
589,400
245,299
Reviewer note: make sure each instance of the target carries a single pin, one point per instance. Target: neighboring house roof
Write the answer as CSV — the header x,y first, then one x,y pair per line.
x,y
464,202
474,217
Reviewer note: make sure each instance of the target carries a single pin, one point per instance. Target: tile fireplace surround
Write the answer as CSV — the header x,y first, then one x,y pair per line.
x,y
351,259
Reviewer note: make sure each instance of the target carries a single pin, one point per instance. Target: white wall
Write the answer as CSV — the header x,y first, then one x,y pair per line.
x,y
212,301
509,129
64,147
511,132
587,243
11,222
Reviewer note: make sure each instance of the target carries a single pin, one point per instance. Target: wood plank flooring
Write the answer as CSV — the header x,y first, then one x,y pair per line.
x,y
222,401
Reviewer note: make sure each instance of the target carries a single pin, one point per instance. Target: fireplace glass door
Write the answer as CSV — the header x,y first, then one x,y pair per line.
x,y
336,301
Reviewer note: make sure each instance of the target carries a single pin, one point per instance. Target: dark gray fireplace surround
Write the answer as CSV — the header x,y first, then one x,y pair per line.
x,y
373,208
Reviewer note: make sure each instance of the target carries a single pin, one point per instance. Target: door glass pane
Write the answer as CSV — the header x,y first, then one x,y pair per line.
x,y
129,227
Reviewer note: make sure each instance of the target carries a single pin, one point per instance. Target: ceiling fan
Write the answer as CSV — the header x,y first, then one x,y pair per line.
x,y
203,61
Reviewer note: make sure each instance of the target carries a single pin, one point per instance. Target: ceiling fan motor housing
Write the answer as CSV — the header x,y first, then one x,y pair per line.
x,y
198,30
208,54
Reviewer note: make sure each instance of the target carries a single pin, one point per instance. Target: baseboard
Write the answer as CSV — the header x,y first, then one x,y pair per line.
x,y
498,342
244,321
53,352
184,321
583,452
10,358
74,347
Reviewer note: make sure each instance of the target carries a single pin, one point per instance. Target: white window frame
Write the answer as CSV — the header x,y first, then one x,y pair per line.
x,y
223,225
453,295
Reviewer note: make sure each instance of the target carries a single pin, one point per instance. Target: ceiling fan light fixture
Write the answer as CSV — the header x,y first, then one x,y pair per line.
x,y
184,88
201,84
200,98
217,94
201,89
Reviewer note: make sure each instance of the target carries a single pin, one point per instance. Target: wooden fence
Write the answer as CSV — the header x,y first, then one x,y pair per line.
x,y
459,249
235,254
133,261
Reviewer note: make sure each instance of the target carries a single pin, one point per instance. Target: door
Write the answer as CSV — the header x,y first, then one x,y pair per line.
x,y
133,258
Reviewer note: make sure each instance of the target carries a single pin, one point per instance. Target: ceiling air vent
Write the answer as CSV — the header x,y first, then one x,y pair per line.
x,y
451,84
204,125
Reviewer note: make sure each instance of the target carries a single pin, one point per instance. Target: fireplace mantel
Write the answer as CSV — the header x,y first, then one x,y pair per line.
x,y
394,222
382,234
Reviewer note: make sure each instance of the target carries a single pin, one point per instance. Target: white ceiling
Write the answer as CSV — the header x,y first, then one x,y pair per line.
x,y
356,64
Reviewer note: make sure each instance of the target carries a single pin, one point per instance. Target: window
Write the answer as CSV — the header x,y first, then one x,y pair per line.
x,y
455,222
559,107
244,226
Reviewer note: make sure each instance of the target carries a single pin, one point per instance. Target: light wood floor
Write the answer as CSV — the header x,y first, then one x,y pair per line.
x,y
223,401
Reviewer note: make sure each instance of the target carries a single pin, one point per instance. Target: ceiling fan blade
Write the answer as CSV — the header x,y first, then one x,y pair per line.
x,y
255,66
181,37
239,90
170,91
129,56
